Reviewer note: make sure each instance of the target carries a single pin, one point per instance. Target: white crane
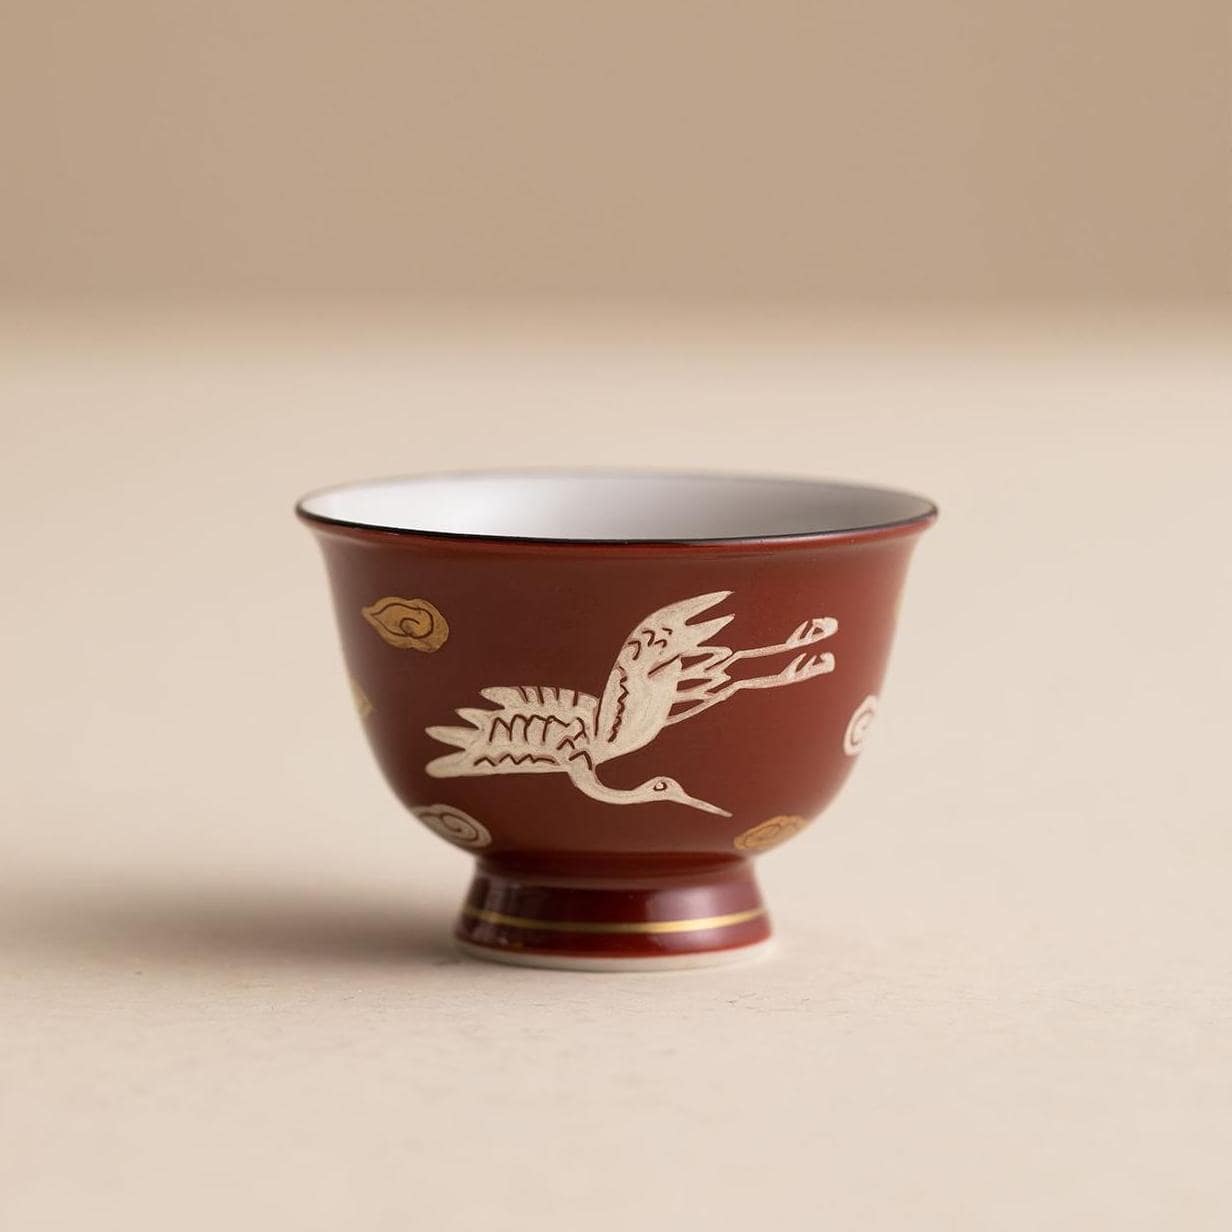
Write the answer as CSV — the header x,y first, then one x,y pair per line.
x,y
664,674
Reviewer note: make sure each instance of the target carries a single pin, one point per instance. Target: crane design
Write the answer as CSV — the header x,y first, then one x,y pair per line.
x,y
665,673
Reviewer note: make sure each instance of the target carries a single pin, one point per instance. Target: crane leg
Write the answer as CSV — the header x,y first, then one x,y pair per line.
x,y
802,667
805,634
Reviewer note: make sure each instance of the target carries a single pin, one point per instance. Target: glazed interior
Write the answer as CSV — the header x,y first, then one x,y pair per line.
x,y
614,506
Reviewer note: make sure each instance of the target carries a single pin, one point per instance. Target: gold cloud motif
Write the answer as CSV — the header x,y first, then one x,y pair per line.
x,y
409,624
455,826
363,704
770,833
858,725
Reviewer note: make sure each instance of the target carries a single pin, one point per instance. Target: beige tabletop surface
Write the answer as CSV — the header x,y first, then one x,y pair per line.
x,y
1002,994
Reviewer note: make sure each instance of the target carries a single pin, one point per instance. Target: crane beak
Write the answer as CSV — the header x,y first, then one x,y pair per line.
x,y
705,806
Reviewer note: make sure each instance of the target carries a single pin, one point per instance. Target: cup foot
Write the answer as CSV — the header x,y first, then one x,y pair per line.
x,y
568,962
615,924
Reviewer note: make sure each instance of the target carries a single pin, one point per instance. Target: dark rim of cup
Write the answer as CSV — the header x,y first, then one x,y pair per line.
x,y
925,514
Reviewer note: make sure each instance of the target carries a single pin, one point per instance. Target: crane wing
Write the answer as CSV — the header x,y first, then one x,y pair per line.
x,y
534,729
663,661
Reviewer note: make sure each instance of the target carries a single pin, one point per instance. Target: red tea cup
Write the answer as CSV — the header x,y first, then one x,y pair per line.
x,y
616,689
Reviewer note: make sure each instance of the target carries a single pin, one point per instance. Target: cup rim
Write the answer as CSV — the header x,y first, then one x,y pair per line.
x,y
876,529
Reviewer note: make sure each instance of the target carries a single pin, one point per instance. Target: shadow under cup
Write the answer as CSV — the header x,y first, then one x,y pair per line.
x,y
615,689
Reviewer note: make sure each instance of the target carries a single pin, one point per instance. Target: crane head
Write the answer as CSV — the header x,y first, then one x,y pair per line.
x,y
668,790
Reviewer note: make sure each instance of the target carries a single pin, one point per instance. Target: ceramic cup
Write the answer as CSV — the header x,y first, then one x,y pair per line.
x,y
615,690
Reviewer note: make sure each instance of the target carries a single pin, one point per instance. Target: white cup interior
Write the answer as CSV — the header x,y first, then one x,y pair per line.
x,y
624,506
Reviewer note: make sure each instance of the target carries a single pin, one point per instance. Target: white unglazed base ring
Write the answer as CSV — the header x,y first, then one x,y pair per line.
x,y
668,962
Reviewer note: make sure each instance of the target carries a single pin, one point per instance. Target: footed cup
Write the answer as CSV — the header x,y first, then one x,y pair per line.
x,y
615,690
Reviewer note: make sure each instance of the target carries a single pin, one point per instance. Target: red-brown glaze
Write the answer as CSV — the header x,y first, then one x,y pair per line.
x,y
556,614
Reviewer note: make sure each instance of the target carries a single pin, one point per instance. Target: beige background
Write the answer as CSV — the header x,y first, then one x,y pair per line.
x,y
1002,997
250,249
838,149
